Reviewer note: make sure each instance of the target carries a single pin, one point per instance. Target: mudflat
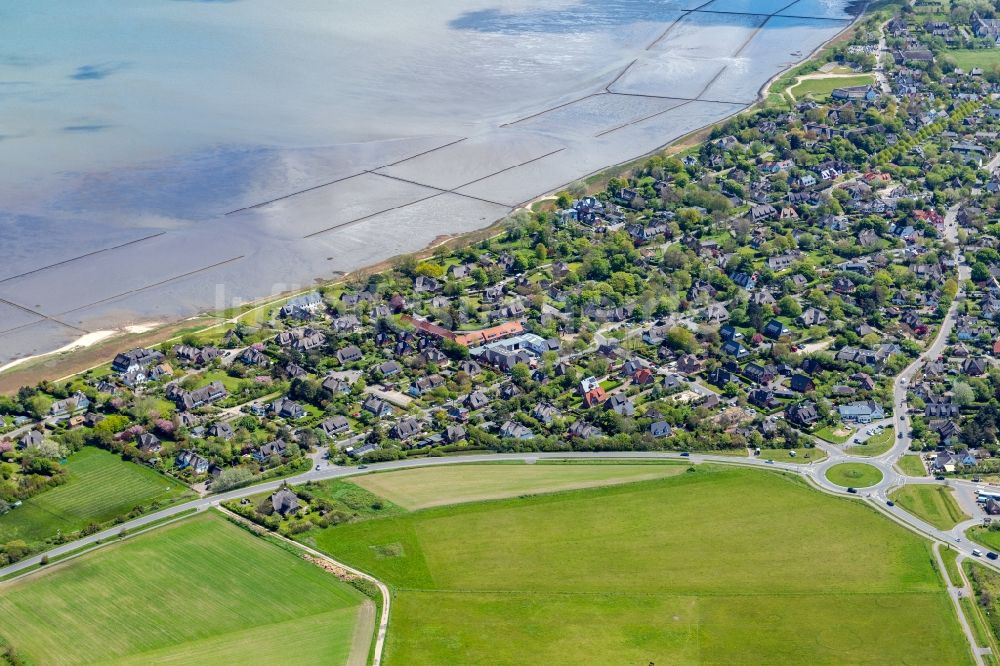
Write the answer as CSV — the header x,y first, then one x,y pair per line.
x,y
144,181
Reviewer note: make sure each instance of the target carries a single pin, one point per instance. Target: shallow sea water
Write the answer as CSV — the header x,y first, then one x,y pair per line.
x,y
159,158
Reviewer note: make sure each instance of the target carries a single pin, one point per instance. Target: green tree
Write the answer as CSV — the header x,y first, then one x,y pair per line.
x,y
963,394
789,306
980,272
520,373
232,477
430,269
681,339
16,549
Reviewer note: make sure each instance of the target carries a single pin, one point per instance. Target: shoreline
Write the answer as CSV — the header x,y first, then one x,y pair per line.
x,y
77,356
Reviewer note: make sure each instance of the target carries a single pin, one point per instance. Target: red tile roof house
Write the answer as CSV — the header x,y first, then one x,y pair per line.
x,y
592,392
929,216
643,376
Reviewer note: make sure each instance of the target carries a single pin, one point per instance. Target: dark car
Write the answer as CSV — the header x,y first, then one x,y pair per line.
x,y
890,503
362,466
685,454
939,477
853,491
991,555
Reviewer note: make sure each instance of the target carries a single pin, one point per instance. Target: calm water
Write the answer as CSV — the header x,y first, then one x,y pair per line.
x,y
104,85
146,121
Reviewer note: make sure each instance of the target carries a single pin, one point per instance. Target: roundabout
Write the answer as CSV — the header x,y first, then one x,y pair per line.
x,y
854,475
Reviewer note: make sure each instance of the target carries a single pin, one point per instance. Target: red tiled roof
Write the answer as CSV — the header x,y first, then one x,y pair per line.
x,y
469,338
594,397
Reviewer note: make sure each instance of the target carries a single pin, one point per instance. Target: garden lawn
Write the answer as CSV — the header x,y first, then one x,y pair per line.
x,y
833,435
100,487
856,475
201,591
231,383
933,503
911,465
717,565
821,88
425,487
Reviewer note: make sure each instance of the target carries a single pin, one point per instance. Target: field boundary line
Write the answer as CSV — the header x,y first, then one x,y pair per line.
x,y
383,620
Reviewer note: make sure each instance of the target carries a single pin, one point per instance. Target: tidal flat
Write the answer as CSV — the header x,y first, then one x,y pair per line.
x,y
161,159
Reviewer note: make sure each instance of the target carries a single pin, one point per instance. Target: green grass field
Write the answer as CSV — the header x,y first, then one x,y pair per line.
x,y
985,536
857,475
950,559
834,435
425,487
874,446
715,566
969,58
202,591
802,455
100,487
821,88
911,465
933,503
